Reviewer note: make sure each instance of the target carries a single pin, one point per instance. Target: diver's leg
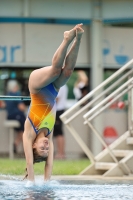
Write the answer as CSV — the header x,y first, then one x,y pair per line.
x,y
70,59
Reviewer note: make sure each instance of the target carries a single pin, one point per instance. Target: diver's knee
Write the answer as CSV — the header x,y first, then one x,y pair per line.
x,y
67,72
56,72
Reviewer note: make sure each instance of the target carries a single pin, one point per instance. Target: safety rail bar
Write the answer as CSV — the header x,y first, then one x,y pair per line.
x,y
15,98
109,97
110,103
106,91
89,95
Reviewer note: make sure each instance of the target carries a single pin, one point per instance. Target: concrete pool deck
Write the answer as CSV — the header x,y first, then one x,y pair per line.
x,y
88,177
72,177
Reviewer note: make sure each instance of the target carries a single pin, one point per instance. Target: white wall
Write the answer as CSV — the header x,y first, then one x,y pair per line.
x,y
36,43
11,43
117,45
41,41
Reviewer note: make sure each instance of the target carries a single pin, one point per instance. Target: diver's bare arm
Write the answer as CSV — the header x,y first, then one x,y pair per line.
x,y
29,157
49,162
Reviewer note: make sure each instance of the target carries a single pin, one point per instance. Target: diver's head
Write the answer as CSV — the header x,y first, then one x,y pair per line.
x,y
40,149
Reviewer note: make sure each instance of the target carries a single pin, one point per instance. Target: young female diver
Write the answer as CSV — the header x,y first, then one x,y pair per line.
x,y
44,84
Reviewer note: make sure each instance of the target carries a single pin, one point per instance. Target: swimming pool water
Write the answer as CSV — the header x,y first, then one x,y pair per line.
x,y
66,190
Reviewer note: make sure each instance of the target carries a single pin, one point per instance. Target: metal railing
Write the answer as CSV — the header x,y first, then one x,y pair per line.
x,y
15,98
104,99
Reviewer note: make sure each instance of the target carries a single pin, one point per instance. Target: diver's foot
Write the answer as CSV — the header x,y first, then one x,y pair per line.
x,y
79,32
70,35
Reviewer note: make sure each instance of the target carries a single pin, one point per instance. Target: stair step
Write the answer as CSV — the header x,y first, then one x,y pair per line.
x,y
104,165
130,140
121,153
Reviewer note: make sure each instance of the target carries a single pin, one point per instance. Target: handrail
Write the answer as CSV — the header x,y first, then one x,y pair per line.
x,y
15,98
97,97
108,98
110,103
84,99
96,109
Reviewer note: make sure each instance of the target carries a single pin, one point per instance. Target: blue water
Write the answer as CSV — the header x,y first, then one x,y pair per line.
x,y
66,190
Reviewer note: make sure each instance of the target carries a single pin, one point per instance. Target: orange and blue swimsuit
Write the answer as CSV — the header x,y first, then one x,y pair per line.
x,y
42,111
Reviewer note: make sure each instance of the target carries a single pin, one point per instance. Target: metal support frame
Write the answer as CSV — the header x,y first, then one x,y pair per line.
x,y
67,117
94,91
81,143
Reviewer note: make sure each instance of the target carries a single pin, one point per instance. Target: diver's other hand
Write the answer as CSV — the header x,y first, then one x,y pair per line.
x,y
46,181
